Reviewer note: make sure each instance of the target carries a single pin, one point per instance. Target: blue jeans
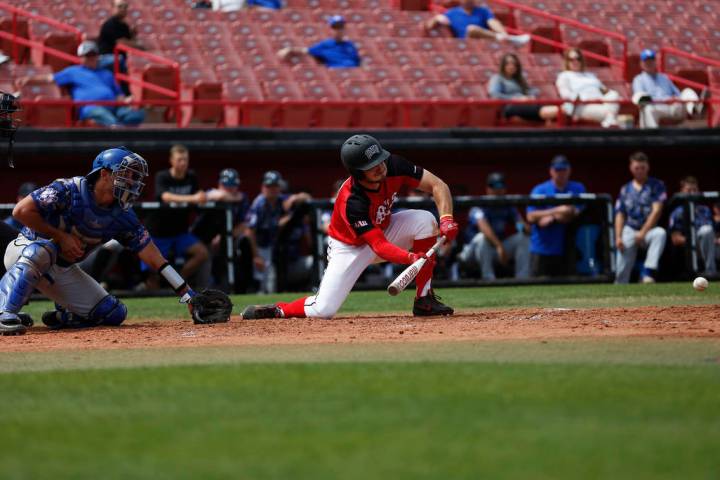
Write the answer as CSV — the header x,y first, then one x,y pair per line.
x,y
120,116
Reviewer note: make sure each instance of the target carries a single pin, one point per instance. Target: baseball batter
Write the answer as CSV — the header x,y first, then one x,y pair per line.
x,y
364,231
64,222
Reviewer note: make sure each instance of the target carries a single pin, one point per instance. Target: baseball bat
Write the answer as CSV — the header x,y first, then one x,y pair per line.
x,y
409,274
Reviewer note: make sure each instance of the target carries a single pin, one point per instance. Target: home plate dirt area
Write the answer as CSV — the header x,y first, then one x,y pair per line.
x,y
506,324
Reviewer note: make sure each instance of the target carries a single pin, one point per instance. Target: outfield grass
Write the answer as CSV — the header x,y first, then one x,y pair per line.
x,y
561,409
572,296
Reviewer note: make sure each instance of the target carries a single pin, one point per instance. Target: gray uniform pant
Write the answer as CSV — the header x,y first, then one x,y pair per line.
x,y
482,252
708,249
69,287
655,242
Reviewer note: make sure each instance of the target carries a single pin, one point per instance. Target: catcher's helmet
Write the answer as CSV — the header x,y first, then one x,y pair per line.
x,y
128,170
360,153
8,125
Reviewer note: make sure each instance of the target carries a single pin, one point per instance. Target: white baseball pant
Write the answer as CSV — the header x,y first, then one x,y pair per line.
x,y
655,243
708,250
347,262
651,114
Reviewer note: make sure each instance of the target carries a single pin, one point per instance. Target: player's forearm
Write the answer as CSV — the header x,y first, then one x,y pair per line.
x,y
443,198
384,249
652,219
536,215
154,259
168,197
619,224
487,230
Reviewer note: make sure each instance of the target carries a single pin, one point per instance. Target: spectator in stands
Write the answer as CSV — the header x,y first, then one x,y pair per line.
x,y
575,83
202,4
113,31
170,227
334,52
703,226
549,225
488,235
269,212
637,211
25,189
468,20
652,86
510,84
89,82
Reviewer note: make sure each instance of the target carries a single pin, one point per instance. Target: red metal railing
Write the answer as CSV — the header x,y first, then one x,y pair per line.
x,y
18,41
707,62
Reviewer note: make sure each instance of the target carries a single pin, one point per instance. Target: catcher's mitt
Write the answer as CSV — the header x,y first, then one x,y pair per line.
x,y
211,306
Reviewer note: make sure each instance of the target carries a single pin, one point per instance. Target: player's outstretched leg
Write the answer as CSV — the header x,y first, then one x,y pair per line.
x,y
426,302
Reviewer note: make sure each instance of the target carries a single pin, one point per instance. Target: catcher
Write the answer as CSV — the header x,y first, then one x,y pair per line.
x,y
64,222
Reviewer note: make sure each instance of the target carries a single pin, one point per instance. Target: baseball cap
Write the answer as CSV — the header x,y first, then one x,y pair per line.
x,y
647,54
496,180
272,177
336,20
560,162
26,189
230,177
87,47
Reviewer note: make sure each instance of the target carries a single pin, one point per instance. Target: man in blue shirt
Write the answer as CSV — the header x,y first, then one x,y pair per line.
x,y
470,21
637,211
703,226
488,235
549,225
652,86
88,82
334,52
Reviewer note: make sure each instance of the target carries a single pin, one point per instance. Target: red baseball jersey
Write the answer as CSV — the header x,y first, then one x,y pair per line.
x,y
358,210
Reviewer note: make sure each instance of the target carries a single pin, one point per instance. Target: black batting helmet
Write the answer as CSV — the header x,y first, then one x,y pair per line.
x,y
360,153
8,125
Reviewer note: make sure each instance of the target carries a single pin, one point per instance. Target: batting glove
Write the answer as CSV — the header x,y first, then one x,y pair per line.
x,y
448,227
414,257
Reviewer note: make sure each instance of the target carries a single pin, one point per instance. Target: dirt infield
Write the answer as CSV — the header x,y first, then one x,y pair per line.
x,y
511,324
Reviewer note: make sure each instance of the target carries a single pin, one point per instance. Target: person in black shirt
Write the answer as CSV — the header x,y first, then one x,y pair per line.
x,y
170,227
113,31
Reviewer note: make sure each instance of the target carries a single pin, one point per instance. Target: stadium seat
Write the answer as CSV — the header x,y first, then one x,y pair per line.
x,y
44,115
19,53
207,113
599,47
64,41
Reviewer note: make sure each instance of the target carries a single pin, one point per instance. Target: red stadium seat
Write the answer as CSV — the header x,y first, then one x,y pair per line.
x,y
310,73
416,74
208,91
599,47
63,41
43,115
21,30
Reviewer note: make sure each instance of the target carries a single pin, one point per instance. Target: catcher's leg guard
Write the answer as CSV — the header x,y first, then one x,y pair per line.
x,y
110,311
18,283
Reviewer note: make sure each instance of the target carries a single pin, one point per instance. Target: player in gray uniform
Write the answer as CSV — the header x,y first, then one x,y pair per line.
x,y
64,222
637,211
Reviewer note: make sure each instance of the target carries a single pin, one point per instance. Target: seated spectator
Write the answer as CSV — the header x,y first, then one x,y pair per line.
x,y
202,4
489,239
637,211
471,21
113,31
510,84
652,86
549,224
227,5
703,226
25,189
574,83
335,52
89,82
265,4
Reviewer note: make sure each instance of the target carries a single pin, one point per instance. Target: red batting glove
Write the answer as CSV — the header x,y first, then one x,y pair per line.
x,y
448,227
414,257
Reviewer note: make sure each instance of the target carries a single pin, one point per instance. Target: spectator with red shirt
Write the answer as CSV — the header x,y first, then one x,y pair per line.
x,y
363,230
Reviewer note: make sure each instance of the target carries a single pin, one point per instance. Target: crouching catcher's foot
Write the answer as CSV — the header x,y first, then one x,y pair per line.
x,y
257,312
430,305
11,324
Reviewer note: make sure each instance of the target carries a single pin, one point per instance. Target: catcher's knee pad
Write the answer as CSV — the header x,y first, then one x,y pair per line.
x,y
18,283
109,311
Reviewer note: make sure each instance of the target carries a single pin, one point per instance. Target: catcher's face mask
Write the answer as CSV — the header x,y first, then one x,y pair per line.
x,y
128,179
8,125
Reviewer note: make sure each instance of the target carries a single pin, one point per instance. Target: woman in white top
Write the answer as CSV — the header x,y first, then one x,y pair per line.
x,y
576,84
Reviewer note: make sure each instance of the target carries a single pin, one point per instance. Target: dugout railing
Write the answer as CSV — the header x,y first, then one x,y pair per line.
x,y
598,212
223,208
689,201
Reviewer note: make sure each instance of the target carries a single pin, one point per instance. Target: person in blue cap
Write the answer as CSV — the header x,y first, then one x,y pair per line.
x,y
333,52
549,224
651,86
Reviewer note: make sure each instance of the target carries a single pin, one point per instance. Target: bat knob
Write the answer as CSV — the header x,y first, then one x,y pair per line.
x,y
393,290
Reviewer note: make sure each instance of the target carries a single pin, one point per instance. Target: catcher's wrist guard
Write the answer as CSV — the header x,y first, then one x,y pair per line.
x,y
173,277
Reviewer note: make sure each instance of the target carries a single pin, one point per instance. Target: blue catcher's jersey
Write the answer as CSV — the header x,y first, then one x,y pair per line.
x,y
68,204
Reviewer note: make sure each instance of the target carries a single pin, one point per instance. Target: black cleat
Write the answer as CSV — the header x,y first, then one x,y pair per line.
x,y
256,312
430,305
26,319
11,324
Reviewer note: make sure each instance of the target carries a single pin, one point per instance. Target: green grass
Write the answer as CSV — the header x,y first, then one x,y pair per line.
x,y
571,296
635,408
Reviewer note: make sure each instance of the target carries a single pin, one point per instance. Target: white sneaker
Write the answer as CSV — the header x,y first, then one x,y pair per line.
x,y
519,40
609,122
647,279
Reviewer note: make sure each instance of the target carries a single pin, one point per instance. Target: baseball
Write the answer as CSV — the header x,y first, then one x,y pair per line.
x,y
700,284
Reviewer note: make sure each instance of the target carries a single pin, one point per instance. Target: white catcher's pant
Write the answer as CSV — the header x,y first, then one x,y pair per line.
x,y
483,252
655,241
347,262
69,287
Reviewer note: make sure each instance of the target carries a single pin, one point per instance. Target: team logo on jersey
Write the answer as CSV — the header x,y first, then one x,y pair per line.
x,y
384,209
47,197
371,151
